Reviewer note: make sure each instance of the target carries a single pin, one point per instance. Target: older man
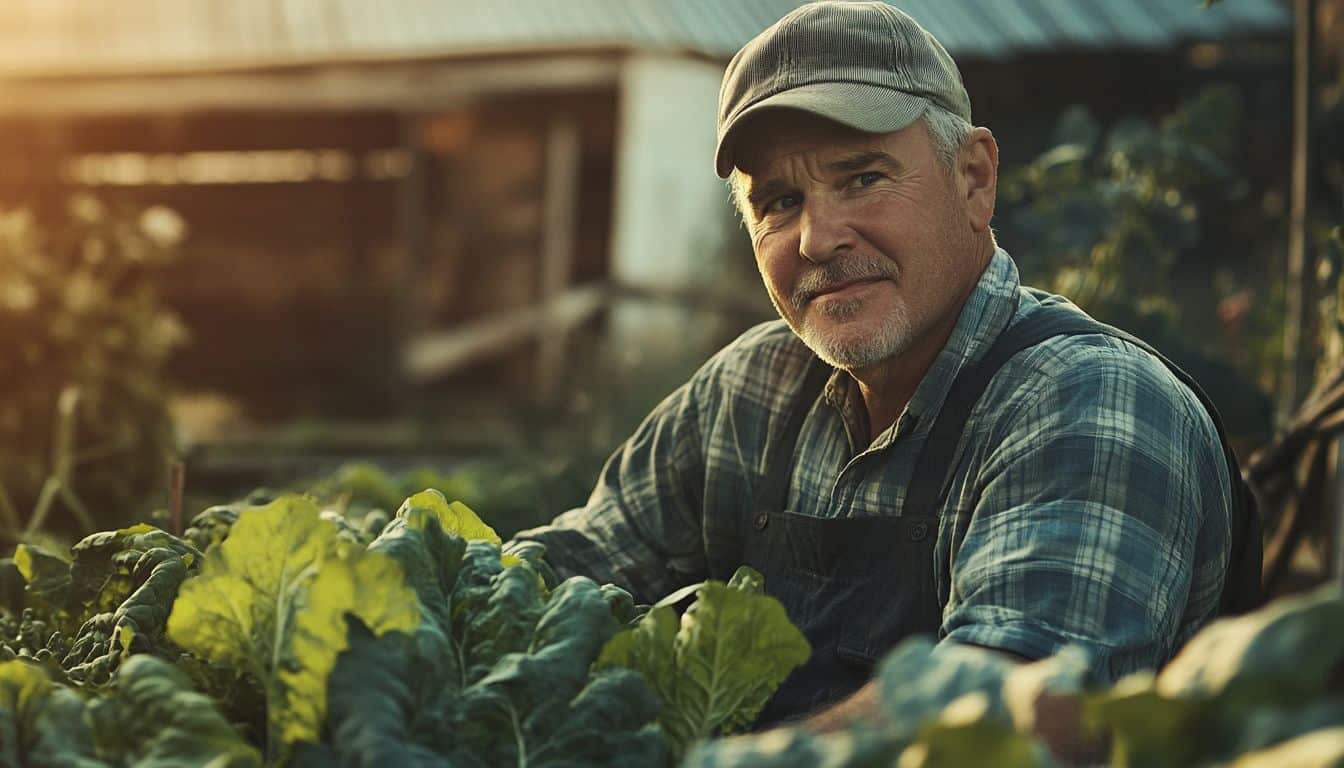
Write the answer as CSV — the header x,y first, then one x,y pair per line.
x,y
922,445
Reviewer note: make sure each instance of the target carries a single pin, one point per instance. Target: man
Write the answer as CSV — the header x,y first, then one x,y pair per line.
x,y
1086,500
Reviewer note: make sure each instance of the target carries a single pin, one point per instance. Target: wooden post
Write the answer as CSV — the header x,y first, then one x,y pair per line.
x,y
1300,298
560,205
415,253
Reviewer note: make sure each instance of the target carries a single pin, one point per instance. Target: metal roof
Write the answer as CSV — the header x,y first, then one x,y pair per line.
x,y
52,37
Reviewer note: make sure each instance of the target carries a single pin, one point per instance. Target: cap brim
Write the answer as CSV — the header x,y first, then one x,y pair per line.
x,y
864,107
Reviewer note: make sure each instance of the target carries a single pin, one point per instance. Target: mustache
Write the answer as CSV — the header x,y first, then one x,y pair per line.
x,y
824,277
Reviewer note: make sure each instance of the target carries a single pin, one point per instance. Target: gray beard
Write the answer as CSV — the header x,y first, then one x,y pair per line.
x,y
851,351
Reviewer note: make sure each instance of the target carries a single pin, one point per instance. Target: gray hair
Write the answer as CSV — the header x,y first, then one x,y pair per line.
x,y
947,132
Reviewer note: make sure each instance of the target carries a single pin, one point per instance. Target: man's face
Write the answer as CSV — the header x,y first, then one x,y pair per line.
x,y
864,241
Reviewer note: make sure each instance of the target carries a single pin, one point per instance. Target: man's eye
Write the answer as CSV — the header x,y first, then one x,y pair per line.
x,y
867,178
781,203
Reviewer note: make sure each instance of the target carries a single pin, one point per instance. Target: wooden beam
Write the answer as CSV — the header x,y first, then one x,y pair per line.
x,y
414,235
1299,296
433,355
560,203
418,85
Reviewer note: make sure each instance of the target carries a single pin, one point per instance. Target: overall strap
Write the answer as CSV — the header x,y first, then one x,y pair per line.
x,y
774,493
934,470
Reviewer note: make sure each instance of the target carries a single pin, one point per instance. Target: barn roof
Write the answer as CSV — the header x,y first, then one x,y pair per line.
x,y
76,37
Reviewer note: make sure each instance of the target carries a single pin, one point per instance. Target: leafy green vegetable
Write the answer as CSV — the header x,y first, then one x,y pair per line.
x,y
541,707
1320,749
1148,728
966,732
1275,651
918,680
271,598
107,639
83,614
153,719
211,526
41,724
455,517
498,672
716,668
859,747
46,574
1232,669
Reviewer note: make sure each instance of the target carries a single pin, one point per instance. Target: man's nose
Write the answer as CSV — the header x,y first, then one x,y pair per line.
x,y
824,233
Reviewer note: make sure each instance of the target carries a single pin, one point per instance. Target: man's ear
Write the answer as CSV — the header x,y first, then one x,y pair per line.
x,y
979,167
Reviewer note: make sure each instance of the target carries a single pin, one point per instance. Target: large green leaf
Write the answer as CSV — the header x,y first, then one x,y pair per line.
x,y
858,747
918,679
527,696
543,707
154,719
716,668
453,517
966,732
41,724
270,599
47,576
1270,725
1274,653
374,707
1147,728
103,567
136,624
1319,749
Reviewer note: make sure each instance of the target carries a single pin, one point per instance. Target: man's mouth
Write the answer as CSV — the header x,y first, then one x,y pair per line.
x,y
844,284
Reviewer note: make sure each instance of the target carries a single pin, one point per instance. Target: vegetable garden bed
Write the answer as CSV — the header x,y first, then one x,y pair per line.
x,y
282,634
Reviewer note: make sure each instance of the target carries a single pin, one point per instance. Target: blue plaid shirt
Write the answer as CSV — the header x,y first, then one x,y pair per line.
x,y
1098,495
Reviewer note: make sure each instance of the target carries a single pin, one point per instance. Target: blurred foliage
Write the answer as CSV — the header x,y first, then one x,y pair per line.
x,y
83,333
1109,216
1330,274
509,492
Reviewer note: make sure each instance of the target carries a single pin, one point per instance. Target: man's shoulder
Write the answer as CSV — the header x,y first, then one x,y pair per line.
x,y
1125,374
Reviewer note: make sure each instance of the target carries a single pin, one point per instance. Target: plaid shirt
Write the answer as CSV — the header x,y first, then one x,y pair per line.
x,y
1098,495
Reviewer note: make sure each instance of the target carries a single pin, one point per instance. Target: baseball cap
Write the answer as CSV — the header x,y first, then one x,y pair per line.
x,y
866,65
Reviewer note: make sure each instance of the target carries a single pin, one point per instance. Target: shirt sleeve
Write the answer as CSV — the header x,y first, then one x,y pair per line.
x,y
640,528
1105,486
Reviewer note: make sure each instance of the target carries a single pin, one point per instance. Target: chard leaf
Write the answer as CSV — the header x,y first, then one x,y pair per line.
x,y
1270,725
858,747
969,732
716,668
430,560
1274,653
136,624
211,526
270,600
918,680
1147,728
46,574
1318,749
41,724
542,707
455,517
372,710
154,719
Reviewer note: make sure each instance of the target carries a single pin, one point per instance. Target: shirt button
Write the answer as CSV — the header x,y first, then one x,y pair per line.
x,y
761,520
919,531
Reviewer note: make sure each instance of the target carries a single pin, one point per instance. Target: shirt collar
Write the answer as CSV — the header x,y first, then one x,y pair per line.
x,y
987,311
